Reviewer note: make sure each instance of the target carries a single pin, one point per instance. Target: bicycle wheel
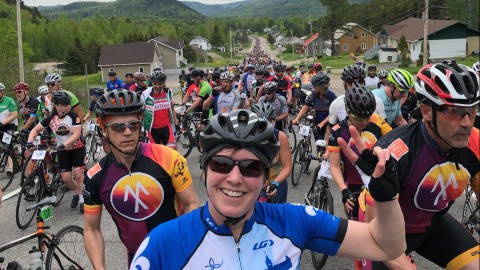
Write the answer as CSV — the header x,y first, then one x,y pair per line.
x,y
24,174
293,144
6,178
471,222
70,241
58,188
298,163
97,148
323,200
197,141
32,191
184,143
88,147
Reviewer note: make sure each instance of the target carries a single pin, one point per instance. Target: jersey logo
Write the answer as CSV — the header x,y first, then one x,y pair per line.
x,y
443,183
212,265
94,170
368,139
263,244
287,264
137,196
62,130
397,149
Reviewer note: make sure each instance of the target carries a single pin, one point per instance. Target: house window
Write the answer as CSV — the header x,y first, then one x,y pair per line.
x,y
389,58
315,51
413,47
345,47
363,34
315,43
350,35
141,69
364,46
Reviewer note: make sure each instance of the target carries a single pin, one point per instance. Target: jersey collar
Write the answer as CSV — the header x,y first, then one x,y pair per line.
x,y
223,229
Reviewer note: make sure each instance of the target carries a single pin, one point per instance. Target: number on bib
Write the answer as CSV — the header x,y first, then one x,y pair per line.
x,y
325,170
46,212
304,130
7,138
91,127
39,154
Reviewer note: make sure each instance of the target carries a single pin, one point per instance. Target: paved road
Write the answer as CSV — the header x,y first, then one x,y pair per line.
x,y
115,252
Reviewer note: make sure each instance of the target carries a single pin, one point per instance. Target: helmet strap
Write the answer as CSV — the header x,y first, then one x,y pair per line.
x,y
434,127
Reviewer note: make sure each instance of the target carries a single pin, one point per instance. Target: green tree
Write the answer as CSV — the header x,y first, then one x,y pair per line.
x,y
420,56
216,38
75,63
270,39
189,53
404,52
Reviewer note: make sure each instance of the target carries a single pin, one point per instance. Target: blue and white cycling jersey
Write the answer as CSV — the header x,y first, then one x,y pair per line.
x,y
273,238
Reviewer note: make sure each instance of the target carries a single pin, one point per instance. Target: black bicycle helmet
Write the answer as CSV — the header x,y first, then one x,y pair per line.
x,y
242,129
279,68
264,110
320,79
360,101
61,97
112,73
353,73
96,91
372,67
216,75
198,72
448,83
128,74
119,102
270,87
259,71
158,76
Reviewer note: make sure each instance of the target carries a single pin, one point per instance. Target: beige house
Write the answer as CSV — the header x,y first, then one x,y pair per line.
x,y
129,57
171,51
353,37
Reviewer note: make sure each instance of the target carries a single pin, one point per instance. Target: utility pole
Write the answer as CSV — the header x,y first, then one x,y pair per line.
x,y
231,52
20,44
425,35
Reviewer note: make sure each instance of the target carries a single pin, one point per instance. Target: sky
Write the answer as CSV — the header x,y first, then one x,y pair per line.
x,y
33,3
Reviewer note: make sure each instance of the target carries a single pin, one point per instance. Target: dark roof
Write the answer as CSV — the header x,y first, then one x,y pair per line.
x,y
175,44
412,28
127,53
388,49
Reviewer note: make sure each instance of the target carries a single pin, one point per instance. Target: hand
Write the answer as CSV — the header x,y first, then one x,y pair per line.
x,y
294,122
271,190
326,154
320,125
384,184
348,199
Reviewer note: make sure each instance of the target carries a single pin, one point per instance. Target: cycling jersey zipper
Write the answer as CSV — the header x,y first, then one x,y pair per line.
x,y
238,252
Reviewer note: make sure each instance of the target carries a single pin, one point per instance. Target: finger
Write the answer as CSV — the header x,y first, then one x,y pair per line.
x,y
357,139
382,156
349,153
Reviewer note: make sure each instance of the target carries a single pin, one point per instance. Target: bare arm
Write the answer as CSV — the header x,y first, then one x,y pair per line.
x,y
336,170
29,123
12,116
399,120
77,130
195,104
188,198
300,114
289,95
78,110
89,113
93,240
285,157
35,131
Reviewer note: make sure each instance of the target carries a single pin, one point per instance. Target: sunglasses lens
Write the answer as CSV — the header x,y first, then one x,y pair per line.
x,y
268,93
120,127
224,165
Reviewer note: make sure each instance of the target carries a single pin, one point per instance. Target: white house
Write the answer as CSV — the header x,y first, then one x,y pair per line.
x,y
386,55
446,38
202,43
278,38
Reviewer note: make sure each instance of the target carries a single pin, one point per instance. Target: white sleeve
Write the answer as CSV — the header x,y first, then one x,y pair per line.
x,y
380,110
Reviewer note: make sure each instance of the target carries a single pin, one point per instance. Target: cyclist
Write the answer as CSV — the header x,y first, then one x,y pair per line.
x,y
198,77
8,119
126,85
67,127
234,231
308,76
182,79
476,68
227,99
54,83
371,80
436,159
159,174
382,76
259,81
278,102
401,80
45,100
139,85
284,87
317,67
28,106
189,79
320,101
191,95
159,119
247,80
276,188
95,93
114,83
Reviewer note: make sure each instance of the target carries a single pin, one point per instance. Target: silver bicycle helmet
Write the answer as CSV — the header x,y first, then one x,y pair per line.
x,y
43,89
119,102
264,110
360,101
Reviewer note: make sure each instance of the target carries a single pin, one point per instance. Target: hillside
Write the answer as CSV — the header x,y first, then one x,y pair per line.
x,y
212,10
166,9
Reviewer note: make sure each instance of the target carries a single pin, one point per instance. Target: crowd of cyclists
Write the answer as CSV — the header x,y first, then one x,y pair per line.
x,y
401,151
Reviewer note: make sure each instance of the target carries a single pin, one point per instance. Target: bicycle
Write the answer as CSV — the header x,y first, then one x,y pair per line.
x,y
185,138
471,213
40,183
303,152
65,249
291,132
93,144
320,196
9,151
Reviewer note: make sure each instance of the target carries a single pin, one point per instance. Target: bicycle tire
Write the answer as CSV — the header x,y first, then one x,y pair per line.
x,y
70,240
88,146
59,189
32,191
292,131
197,141
5,178
24,168
325,203
297,167
469,207
97,148
184,143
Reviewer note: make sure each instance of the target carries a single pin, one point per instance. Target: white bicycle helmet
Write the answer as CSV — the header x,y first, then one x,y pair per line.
x,y
43,89
226,76
382,73
2,87
53,77
448,83
476,67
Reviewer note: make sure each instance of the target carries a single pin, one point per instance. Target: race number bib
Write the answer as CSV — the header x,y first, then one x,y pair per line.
x,y
7,138
325,170
304,130
91,127
39,154
37,140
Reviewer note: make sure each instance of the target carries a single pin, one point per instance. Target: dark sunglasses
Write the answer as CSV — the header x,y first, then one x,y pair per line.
x,y
224,165
120,127
280,71
51,84
18,92
358,118
268,93
458,113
